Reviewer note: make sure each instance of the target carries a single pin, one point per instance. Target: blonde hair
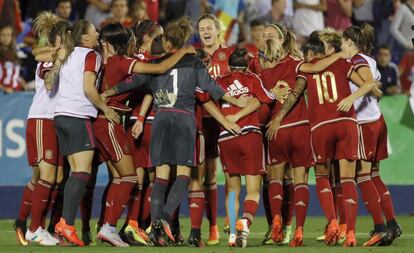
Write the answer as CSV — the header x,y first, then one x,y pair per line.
x,y
271,51
44,23
290,44
179,32
331,37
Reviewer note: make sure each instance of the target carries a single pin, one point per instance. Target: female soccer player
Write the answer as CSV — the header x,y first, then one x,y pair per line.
x,y
112,140
41,139
209,32
242,155
76,71
173,144
358,42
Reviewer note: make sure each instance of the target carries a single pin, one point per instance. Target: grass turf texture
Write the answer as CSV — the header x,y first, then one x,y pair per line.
x,y
313,228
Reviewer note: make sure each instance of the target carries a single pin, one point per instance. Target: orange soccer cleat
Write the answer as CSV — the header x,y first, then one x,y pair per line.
x,y
332,233
350,240
68,232
277,233
298,238
214,237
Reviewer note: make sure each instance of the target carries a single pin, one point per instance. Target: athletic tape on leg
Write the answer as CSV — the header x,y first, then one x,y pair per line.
x,y
232,212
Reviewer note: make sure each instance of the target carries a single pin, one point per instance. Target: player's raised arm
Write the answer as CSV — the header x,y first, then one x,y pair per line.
x,y
162,67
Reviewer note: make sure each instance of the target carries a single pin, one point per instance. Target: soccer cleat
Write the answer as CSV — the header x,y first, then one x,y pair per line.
x,y
40,237
287,234
214,237
350,240
163,226
155,238
226,227
68,232
394,232
277,233
332,233
298,238
195,241
232,240
376,238
87,238
108,234
20,229
242,230
132,231
321,238
268,236
178,237
342,233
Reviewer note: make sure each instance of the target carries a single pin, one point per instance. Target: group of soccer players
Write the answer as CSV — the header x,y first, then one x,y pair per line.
x,y
160,114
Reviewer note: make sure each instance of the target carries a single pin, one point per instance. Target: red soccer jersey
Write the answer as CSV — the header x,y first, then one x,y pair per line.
x,y
284,74
138,96
255,66
116,70
251,48
359,61
326,90
219,64
237,84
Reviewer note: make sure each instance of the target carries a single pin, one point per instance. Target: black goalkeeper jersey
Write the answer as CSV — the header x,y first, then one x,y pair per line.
x,y
176,88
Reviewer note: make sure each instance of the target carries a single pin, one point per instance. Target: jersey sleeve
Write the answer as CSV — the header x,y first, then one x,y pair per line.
x,y
262,94
202,96
92,62
44,68
135,81
206,83
359,61
348,67
126,65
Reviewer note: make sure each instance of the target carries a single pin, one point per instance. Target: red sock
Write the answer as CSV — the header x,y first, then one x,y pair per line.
x,y
110,198
211,205
301,202
51,203
288,203
146,205
339,203
57,208
26,203
275,197
134,204
249,210
324,192
40,197
266,202
121,197
386,200
86,207
350,199
196,201
370,197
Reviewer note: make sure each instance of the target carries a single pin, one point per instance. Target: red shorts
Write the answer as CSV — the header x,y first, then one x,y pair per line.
x,y
112,140
337,140
41,141
243,155
201,145
211,131
292,145
140,148
373,140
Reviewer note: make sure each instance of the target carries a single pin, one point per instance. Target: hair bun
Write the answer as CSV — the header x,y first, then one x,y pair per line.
x,y
241,52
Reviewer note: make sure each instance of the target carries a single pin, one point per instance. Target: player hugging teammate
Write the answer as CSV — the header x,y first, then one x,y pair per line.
x,y
184,108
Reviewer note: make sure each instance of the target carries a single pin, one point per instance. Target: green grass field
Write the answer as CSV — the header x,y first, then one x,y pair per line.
x,y
313,228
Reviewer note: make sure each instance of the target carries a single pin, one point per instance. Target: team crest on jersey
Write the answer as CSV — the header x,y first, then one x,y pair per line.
x,y
222,56
236,88
141,56
49,154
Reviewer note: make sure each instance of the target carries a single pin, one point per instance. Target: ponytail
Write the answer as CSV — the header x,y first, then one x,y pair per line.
x,y
290,45
363,37
44,23
179,32
271,51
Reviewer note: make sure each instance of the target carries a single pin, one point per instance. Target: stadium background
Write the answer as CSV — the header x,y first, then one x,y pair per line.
x,y
397,171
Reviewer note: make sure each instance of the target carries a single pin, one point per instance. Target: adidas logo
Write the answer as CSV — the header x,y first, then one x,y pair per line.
x,y
350,201
274,160
194,205
300,203
386,193
236,88
325,190
277,197
319,157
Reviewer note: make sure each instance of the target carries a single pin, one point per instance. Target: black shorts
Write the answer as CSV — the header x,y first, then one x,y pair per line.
x,y
173,138
74,135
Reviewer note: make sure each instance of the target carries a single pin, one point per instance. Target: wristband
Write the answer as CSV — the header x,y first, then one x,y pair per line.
x,y
141,118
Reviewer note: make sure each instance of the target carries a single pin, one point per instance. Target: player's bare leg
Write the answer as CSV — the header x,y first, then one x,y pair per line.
x,y
325,196
347,172
301,200
386,204
277,173
232,209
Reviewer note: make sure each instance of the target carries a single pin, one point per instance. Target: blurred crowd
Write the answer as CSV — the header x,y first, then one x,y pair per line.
x,y
242,21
